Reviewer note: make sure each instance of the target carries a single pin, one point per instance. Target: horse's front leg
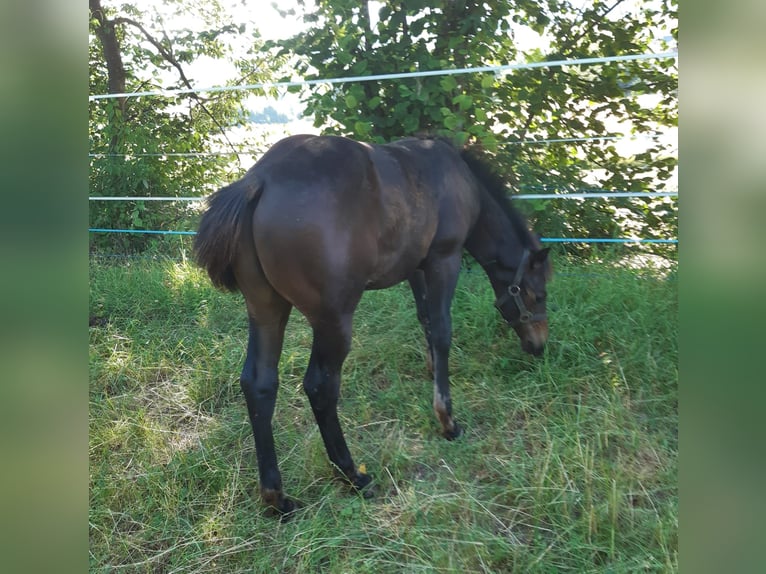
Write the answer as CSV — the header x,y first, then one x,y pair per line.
x,y
418,285
332,341
440,280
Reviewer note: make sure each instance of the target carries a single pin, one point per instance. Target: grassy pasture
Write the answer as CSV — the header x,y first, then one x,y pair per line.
x,y
568,463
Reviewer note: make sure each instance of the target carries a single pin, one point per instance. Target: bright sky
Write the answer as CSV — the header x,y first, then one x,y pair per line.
x,y
206,71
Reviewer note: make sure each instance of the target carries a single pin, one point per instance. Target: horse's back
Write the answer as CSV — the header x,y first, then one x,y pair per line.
x,y
336,217
439,168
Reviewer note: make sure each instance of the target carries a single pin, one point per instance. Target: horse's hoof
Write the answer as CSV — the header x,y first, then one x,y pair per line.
x,y
287,510
279,504
363,485
453,433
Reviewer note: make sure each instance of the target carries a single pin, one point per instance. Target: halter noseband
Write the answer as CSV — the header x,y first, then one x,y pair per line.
x,y
514,292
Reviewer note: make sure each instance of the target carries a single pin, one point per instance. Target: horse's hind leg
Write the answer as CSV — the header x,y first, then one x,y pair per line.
x,y
259,381
268,314
332,340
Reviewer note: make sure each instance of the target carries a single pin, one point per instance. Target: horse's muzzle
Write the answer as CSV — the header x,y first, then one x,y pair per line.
x,y
529,347
533,337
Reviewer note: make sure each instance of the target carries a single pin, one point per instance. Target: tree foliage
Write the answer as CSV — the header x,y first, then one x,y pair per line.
x,y
131,50
494,111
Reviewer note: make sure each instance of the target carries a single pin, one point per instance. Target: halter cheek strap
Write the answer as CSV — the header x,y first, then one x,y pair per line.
x,y
514,292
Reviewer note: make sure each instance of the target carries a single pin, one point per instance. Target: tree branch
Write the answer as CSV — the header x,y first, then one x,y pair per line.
x,y
110,44
566,50
168,56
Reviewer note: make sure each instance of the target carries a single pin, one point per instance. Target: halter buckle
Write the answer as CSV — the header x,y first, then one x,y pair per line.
x,y
514,292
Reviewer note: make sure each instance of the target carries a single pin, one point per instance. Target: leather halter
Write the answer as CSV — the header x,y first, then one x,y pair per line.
x,y
514,292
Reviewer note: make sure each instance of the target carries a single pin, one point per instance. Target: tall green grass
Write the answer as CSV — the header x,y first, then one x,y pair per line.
x,y
568,463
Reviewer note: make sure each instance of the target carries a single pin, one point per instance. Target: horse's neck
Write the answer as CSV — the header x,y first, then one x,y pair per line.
x,y
493,234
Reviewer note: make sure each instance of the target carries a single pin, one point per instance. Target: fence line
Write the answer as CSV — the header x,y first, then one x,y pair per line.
x,y
627,240
176,154
602,194
483,69
652,135
139,198
253,151
140,231
584,195
449,72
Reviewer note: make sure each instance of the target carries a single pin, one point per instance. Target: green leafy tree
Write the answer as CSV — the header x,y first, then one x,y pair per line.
x,y
494,111
131,50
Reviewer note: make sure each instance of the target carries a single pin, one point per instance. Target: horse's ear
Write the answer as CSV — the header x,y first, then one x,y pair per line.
x,y
540,256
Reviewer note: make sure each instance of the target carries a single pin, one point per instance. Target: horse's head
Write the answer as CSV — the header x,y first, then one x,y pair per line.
x,y
521,295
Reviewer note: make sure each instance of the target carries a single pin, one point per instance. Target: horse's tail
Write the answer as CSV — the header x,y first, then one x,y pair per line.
x,y
215,245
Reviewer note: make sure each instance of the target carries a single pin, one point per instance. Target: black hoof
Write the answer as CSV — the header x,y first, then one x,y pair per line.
x,y
288,506
278,504
287,511
454,433
362,483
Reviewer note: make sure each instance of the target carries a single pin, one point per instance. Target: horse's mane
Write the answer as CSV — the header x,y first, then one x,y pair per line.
x,y
495,185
